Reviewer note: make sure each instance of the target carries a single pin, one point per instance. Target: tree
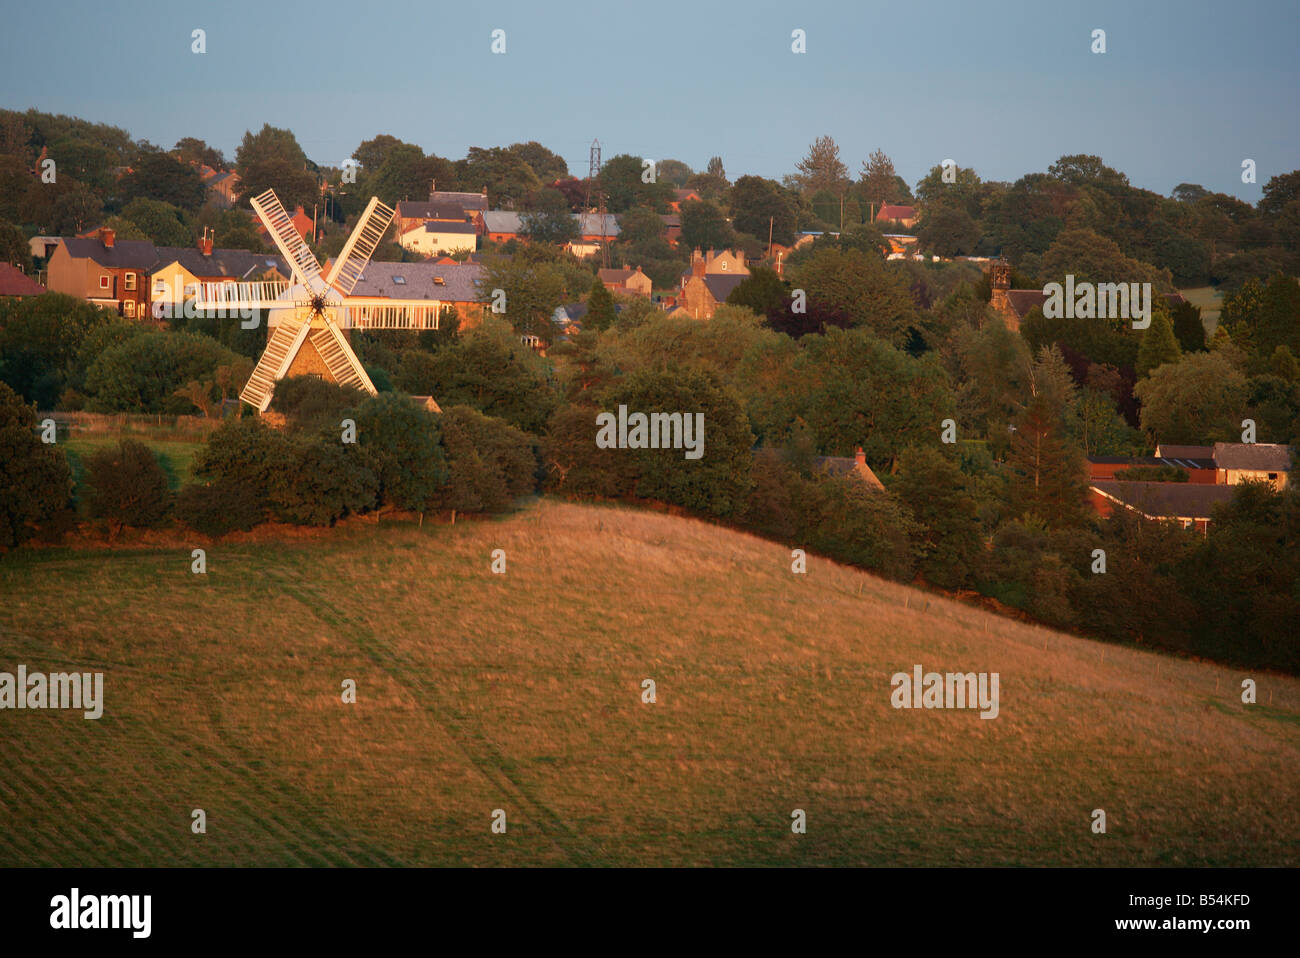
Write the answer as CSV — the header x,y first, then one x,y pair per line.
x,y
938,496
1159,346
162,223
622,179
704,226
1277,322
490,463
755,202
160,176
490,370
505,175
548,166
143,373
1198,400
713,182
717,481
675,172
1047,468
548,219
761,291
35,481
601,310
13,247
40,338
372,153
312,404
406,173
272,159
878,178
948,230
405,450
191,150
861,285
1279,191
1091,257
532,291
1188,328
127,485
822,168
322,482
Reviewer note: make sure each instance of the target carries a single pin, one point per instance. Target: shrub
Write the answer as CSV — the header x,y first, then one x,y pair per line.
x,y
221,506
127,485
35,481
311,403
491,463
322,482
245,451
404,449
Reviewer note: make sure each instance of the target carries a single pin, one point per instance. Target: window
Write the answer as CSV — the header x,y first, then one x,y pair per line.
x,y
399,280
130,281
103,282
128,307
1272,475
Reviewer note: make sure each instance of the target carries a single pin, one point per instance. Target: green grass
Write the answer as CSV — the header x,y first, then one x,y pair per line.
x,y
523,692
175,457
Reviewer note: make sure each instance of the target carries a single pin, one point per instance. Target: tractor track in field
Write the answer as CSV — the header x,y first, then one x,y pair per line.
x,y
477,749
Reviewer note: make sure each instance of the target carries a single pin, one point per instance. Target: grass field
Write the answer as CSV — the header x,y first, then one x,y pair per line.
x,y
1210,300
522,692
175,456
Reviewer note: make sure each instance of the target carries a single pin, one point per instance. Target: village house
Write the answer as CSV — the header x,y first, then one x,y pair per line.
x,y
104,270
302,223
441,206
501,226
709,282
627,282
179,270
1196,461
844,466
1237,462
1190,504
1013,305
14,282
672,227
452,285
893,213
440,236
681,196
222,186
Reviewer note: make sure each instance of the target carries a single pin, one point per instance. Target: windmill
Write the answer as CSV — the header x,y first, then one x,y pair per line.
x,y
305,320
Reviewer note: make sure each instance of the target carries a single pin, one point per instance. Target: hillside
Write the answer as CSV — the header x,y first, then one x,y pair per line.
x,y
522,691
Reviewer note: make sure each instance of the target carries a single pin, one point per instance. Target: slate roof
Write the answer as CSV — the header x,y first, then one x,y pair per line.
x,y
1186,452
589,224
430,210
1261,457
14,282
1166,500
619,276
233,263
721,284
502,221
461,281
123,254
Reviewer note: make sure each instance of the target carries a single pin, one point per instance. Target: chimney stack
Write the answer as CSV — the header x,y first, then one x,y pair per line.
x,y
205,244
1000,281
108,235
860,457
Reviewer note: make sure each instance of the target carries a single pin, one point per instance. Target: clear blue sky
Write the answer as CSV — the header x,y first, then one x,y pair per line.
x,y
1186,91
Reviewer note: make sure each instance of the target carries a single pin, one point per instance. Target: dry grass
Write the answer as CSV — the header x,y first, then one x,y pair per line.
x,y
522,691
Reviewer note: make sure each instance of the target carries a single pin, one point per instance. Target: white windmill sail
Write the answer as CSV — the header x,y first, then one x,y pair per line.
x,y
282,346
292,246
361,245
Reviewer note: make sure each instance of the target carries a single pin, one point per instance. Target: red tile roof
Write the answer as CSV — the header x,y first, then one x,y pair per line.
x,y
891,212
14,282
